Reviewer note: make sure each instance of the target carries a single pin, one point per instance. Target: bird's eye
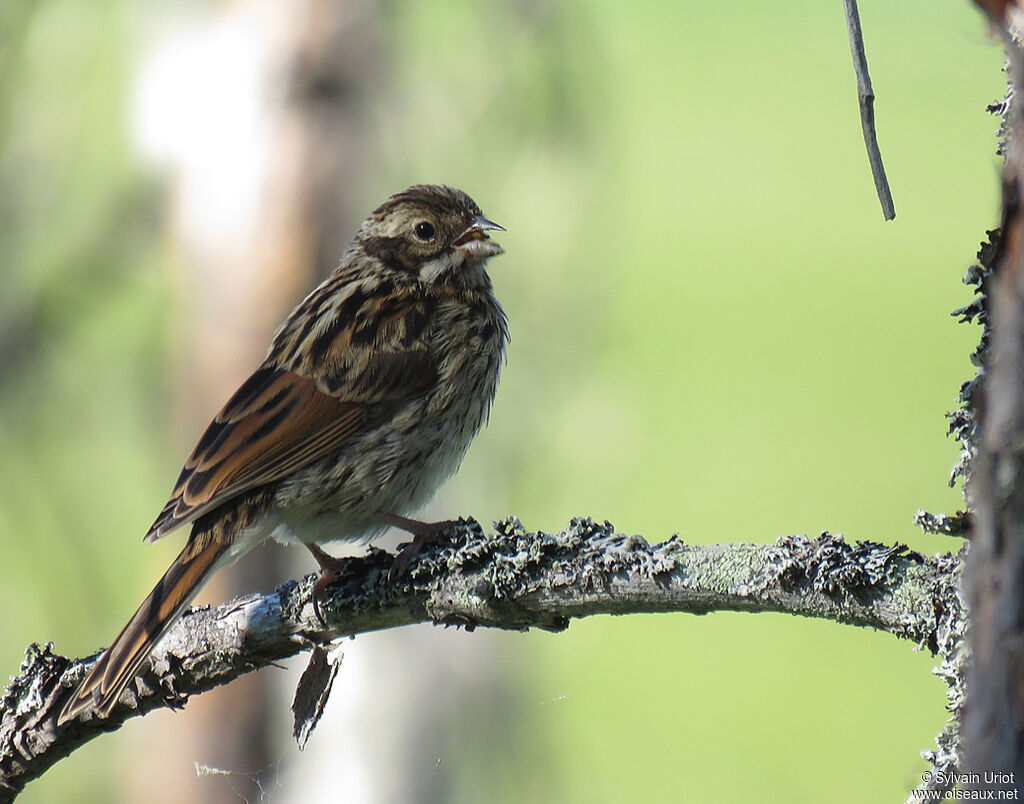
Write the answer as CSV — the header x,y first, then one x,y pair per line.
x,y
424,230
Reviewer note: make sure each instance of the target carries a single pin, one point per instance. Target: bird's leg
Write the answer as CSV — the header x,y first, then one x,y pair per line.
x,y
423,533
330,568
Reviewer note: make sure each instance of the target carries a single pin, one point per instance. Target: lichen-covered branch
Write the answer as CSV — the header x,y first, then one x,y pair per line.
x,y
509,579
993,724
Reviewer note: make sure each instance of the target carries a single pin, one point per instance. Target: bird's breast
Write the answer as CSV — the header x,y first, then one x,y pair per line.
x,y
398,465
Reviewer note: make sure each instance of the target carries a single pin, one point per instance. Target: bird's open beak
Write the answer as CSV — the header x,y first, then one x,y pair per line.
x,y
475,243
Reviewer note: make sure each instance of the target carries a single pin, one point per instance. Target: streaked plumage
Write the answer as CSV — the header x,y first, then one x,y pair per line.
x,y
366,402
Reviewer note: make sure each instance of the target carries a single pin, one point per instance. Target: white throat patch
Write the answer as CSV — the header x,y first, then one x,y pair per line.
x,y
430,271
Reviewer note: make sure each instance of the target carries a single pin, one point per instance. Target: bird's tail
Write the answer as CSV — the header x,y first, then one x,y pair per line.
x,y
120,662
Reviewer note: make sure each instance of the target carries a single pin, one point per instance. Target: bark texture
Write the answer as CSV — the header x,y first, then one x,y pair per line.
x,y
510,579
993,725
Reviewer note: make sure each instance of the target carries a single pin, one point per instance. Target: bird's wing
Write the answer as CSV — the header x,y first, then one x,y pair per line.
x,y
281,420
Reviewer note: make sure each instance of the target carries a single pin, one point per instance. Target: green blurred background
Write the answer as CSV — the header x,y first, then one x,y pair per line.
x,y
713,334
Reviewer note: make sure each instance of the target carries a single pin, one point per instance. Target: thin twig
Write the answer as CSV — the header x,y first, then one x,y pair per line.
x,y
866,98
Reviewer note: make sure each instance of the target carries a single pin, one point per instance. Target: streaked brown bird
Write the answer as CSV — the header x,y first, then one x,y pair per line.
x,y
365,403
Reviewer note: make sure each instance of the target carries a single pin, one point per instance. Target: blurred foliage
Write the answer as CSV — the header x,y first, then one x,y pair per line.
x,y
714,334
82,319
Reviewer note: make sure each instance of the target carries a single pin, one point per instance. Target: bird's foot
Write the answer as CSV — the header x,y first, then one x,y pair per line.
x,y
330,568
423,533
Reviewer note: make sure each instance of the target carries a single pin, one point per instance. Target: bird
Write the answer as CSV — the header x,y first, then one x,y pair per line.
x,y
365,403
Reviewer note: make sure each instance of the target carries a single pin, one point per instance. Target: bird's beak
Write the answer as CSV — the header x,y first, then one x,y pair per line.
x,y
475,243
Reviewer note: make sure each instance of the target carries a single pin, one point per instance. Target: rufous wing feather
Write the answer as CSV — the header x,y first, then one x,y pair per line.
x,y
120,662
279,422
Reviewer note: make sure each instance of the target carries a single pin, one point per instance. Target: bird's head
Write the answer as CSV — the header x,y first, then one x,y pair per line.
x,y
434,232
